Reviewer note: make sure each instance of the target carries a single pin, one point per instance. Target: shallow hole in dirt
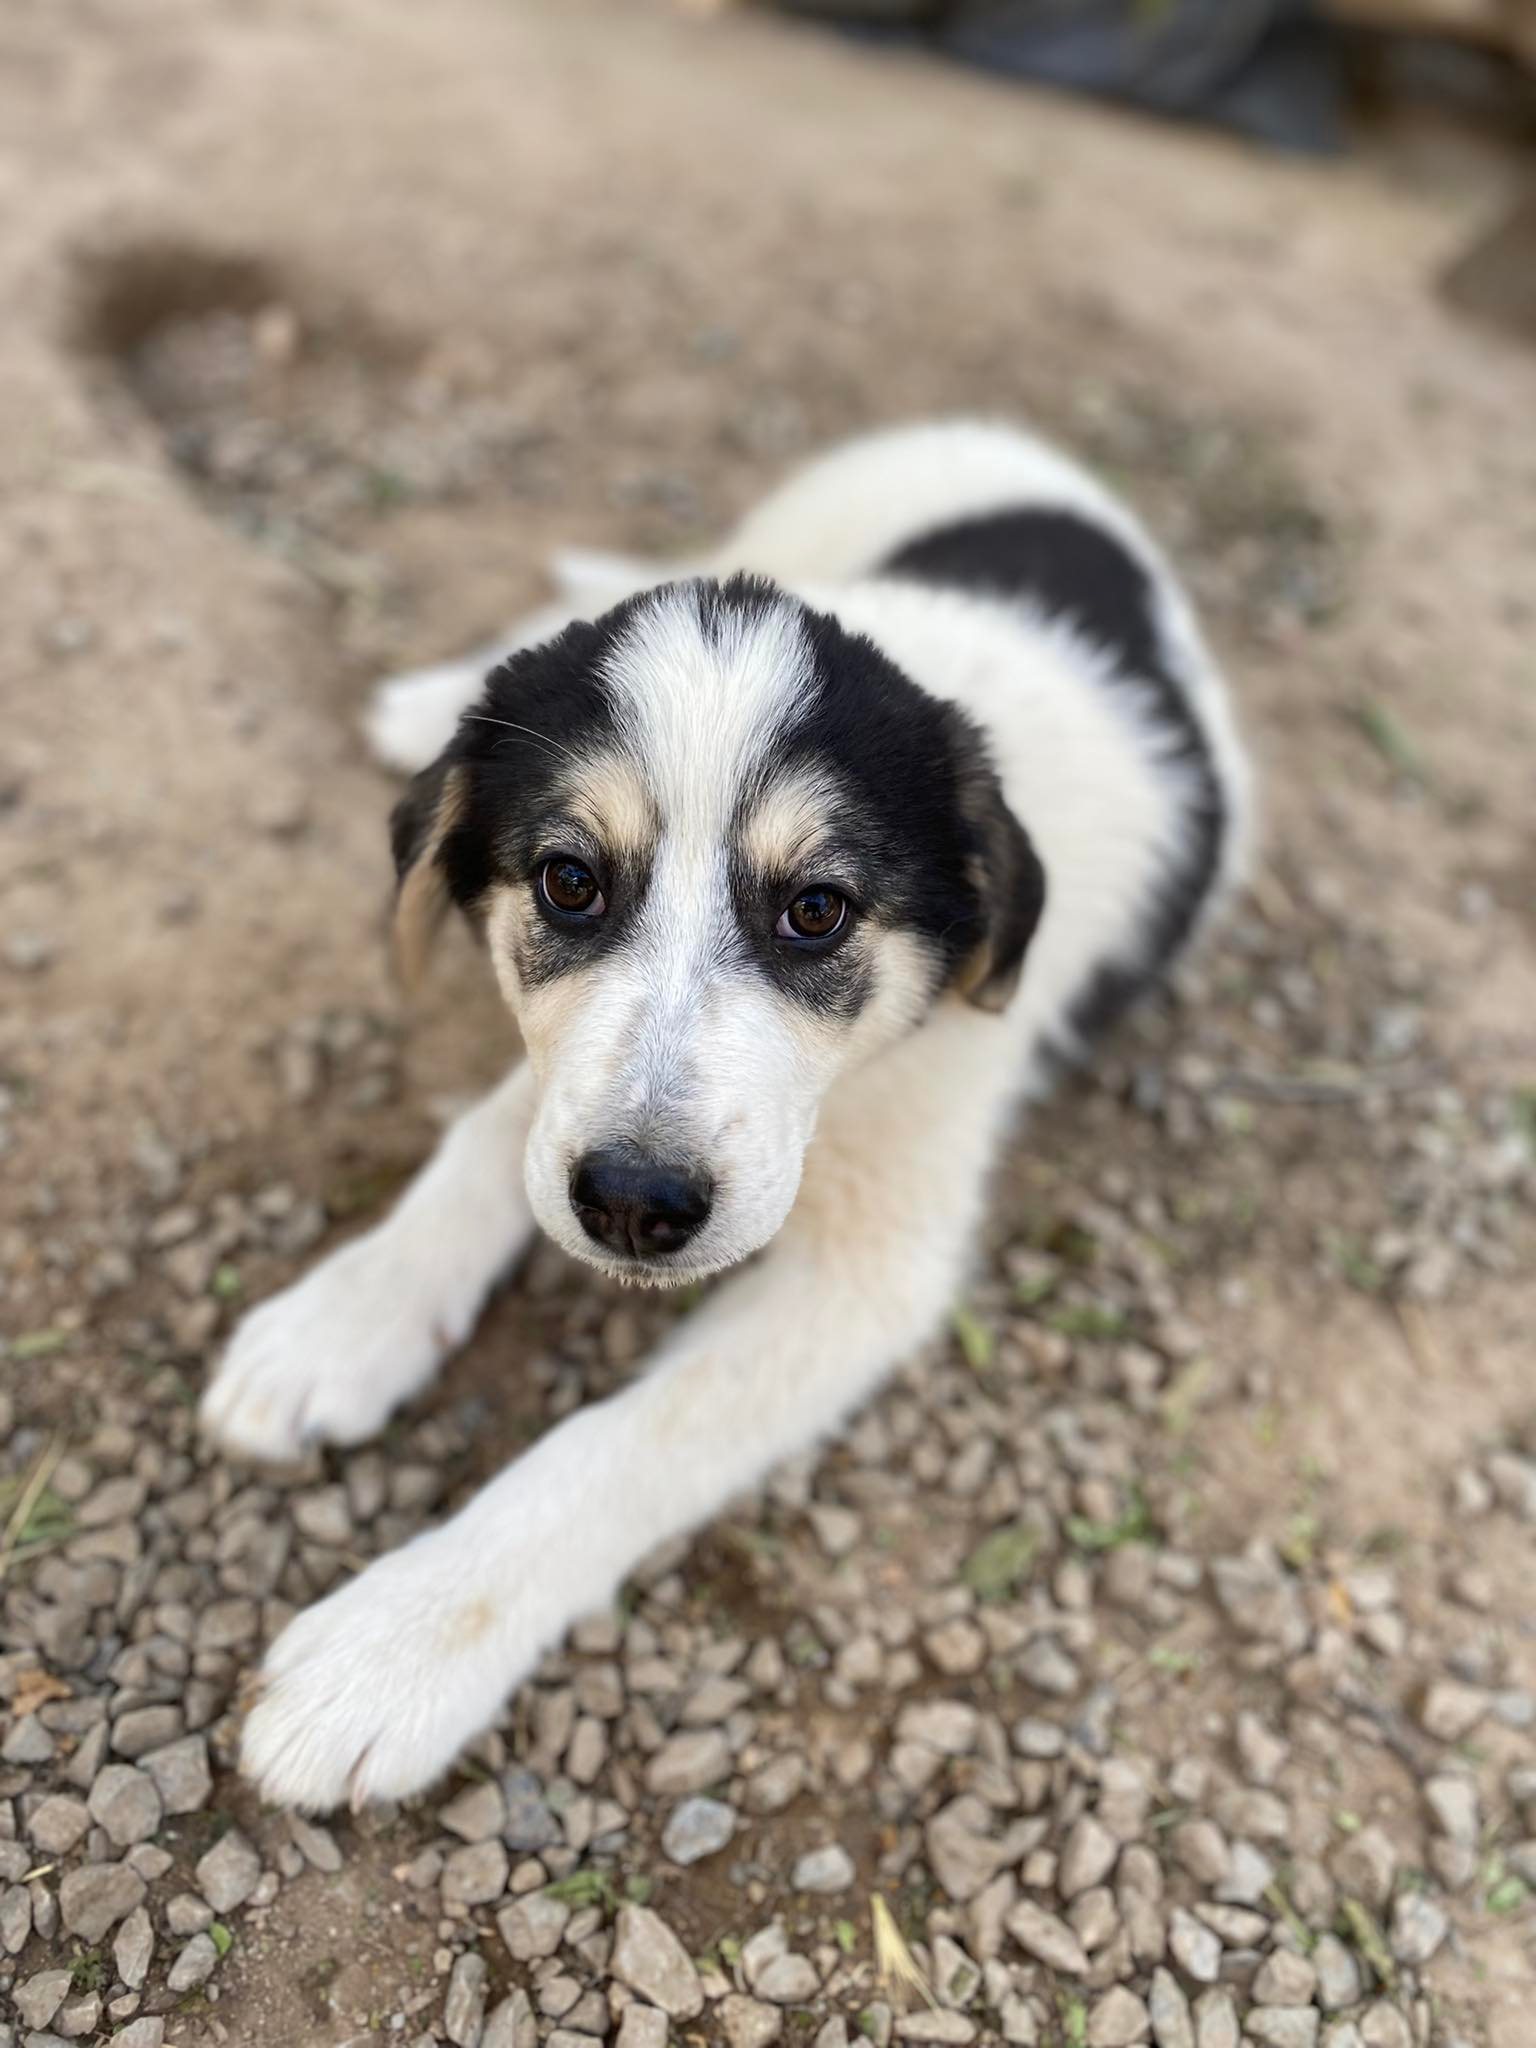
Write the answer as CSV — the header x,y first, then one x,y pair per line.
x,y
304,422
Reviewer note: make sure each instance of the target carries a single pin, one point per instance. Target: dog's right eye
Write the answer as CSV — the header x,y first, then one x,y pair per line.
x,y
570,888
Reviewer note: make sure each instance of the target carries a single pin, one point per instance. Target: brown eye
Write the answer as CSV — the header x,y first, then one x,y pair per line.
x,y
814,914
570,887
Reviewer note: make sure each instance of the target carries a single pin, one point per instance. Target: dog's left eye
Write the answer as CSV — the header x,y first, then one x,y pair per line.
x,y
814,914
570,887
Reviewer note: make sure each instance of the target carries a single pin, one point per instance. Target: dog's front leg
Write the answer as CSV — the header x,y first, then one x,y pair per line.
x,y
329,1358
371,1694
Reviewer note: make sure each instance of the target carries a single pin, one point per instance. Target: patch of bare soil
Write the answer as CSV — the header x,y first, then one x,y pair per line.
x,y
1160,1648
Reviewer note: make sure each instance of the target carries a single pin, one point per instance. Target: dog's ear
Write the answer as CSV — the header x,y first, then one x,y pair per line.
x,y
419,828
1010,883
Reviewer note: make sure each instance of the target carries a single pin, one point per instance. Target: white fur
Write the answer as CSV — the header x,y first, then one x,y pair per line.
x,y
371,1693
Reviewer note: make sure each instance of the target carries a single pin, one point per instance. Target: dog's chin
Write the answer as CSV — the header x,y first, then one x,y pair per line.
x,y
667,1270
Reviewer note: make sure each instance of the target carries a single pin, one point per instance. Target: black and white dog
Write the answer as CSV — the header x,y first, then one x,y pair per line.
x,y
797,874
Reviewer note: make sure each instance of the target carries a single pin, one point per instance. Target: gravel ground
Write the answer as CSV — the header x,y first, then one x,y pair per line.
x,y
1154,1662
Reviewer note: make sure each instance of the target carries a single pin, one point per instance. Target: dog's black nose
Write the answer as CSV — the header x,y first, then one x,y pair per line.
x,y
633,1204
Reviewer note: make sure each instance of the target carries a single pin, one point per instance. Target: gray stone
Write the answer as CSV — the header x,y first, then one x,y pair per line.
x,y
649,1958
195,1965
1093,1918
28,1742
1194,1948
788,1980
39,1998
962,1850
323,1516
829,1869
956,1979
1452,1802
1046,1666
134,1947
689,1762
475,1874
1285,2026
1285,1979
1018,2022
1260,1751
315,1844
94,1899
1118,2020
697,1828
1383,2026
1262,1600
1338,1974
951,2027
1041,1741
1168,2009
188,1914
464,2009
1450,1711
475,1814
532,1927
1419,1926
142,1729
1048,1939
15,1918
748,2023
58,1824
1202,1849
948,1726
1366,1864
772,1786
79,2016
642,2027
513,2025
125,1802
530,1824
1249,1875
181,1773
1088,1856
1215,2020
229,1872
148,2032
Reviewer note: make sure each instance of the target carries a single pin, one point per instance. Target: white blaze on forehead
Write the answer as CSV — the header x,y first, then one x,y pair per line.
x,y
701,694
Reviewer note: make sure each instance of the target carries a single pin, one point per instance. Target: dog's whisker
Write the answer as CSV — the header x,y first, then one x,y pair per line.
x,y
544,739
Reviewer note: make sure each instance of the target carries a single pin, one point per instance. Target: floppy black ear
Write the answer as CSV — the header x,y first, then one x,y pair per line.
x,y
419,827
1010,883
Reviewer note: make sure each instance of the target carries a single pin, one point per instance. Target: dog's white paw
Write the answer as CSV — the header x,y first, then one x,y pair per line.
x,y
411,718
372,1694
329,1359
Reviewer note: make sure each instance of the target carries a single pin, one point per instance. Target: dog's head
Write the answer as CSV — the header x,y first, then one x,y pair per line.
x,y
720,851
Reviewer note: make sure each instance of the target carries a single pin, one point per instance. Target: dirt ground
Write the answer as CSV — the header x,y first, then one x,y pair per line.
x,y
325,323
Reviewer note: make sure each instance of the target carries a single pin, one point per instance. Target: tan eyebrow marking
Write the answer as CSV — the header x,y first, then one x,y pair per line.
x,y
788,821
608,795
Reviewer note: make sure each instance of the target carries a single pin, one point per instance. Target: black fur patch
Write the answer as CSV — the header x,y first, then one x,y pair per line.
x,y
1074,570
542,710
925,816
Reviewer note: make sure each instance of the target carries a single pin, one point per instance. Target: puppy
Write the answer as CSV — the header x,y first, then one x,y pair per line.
x,y
798,874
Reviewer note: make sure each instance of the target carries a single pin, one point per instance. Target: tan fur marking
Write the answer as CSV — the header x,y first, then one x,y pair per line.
x,y
421,902
466,1627
789,821
609,796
